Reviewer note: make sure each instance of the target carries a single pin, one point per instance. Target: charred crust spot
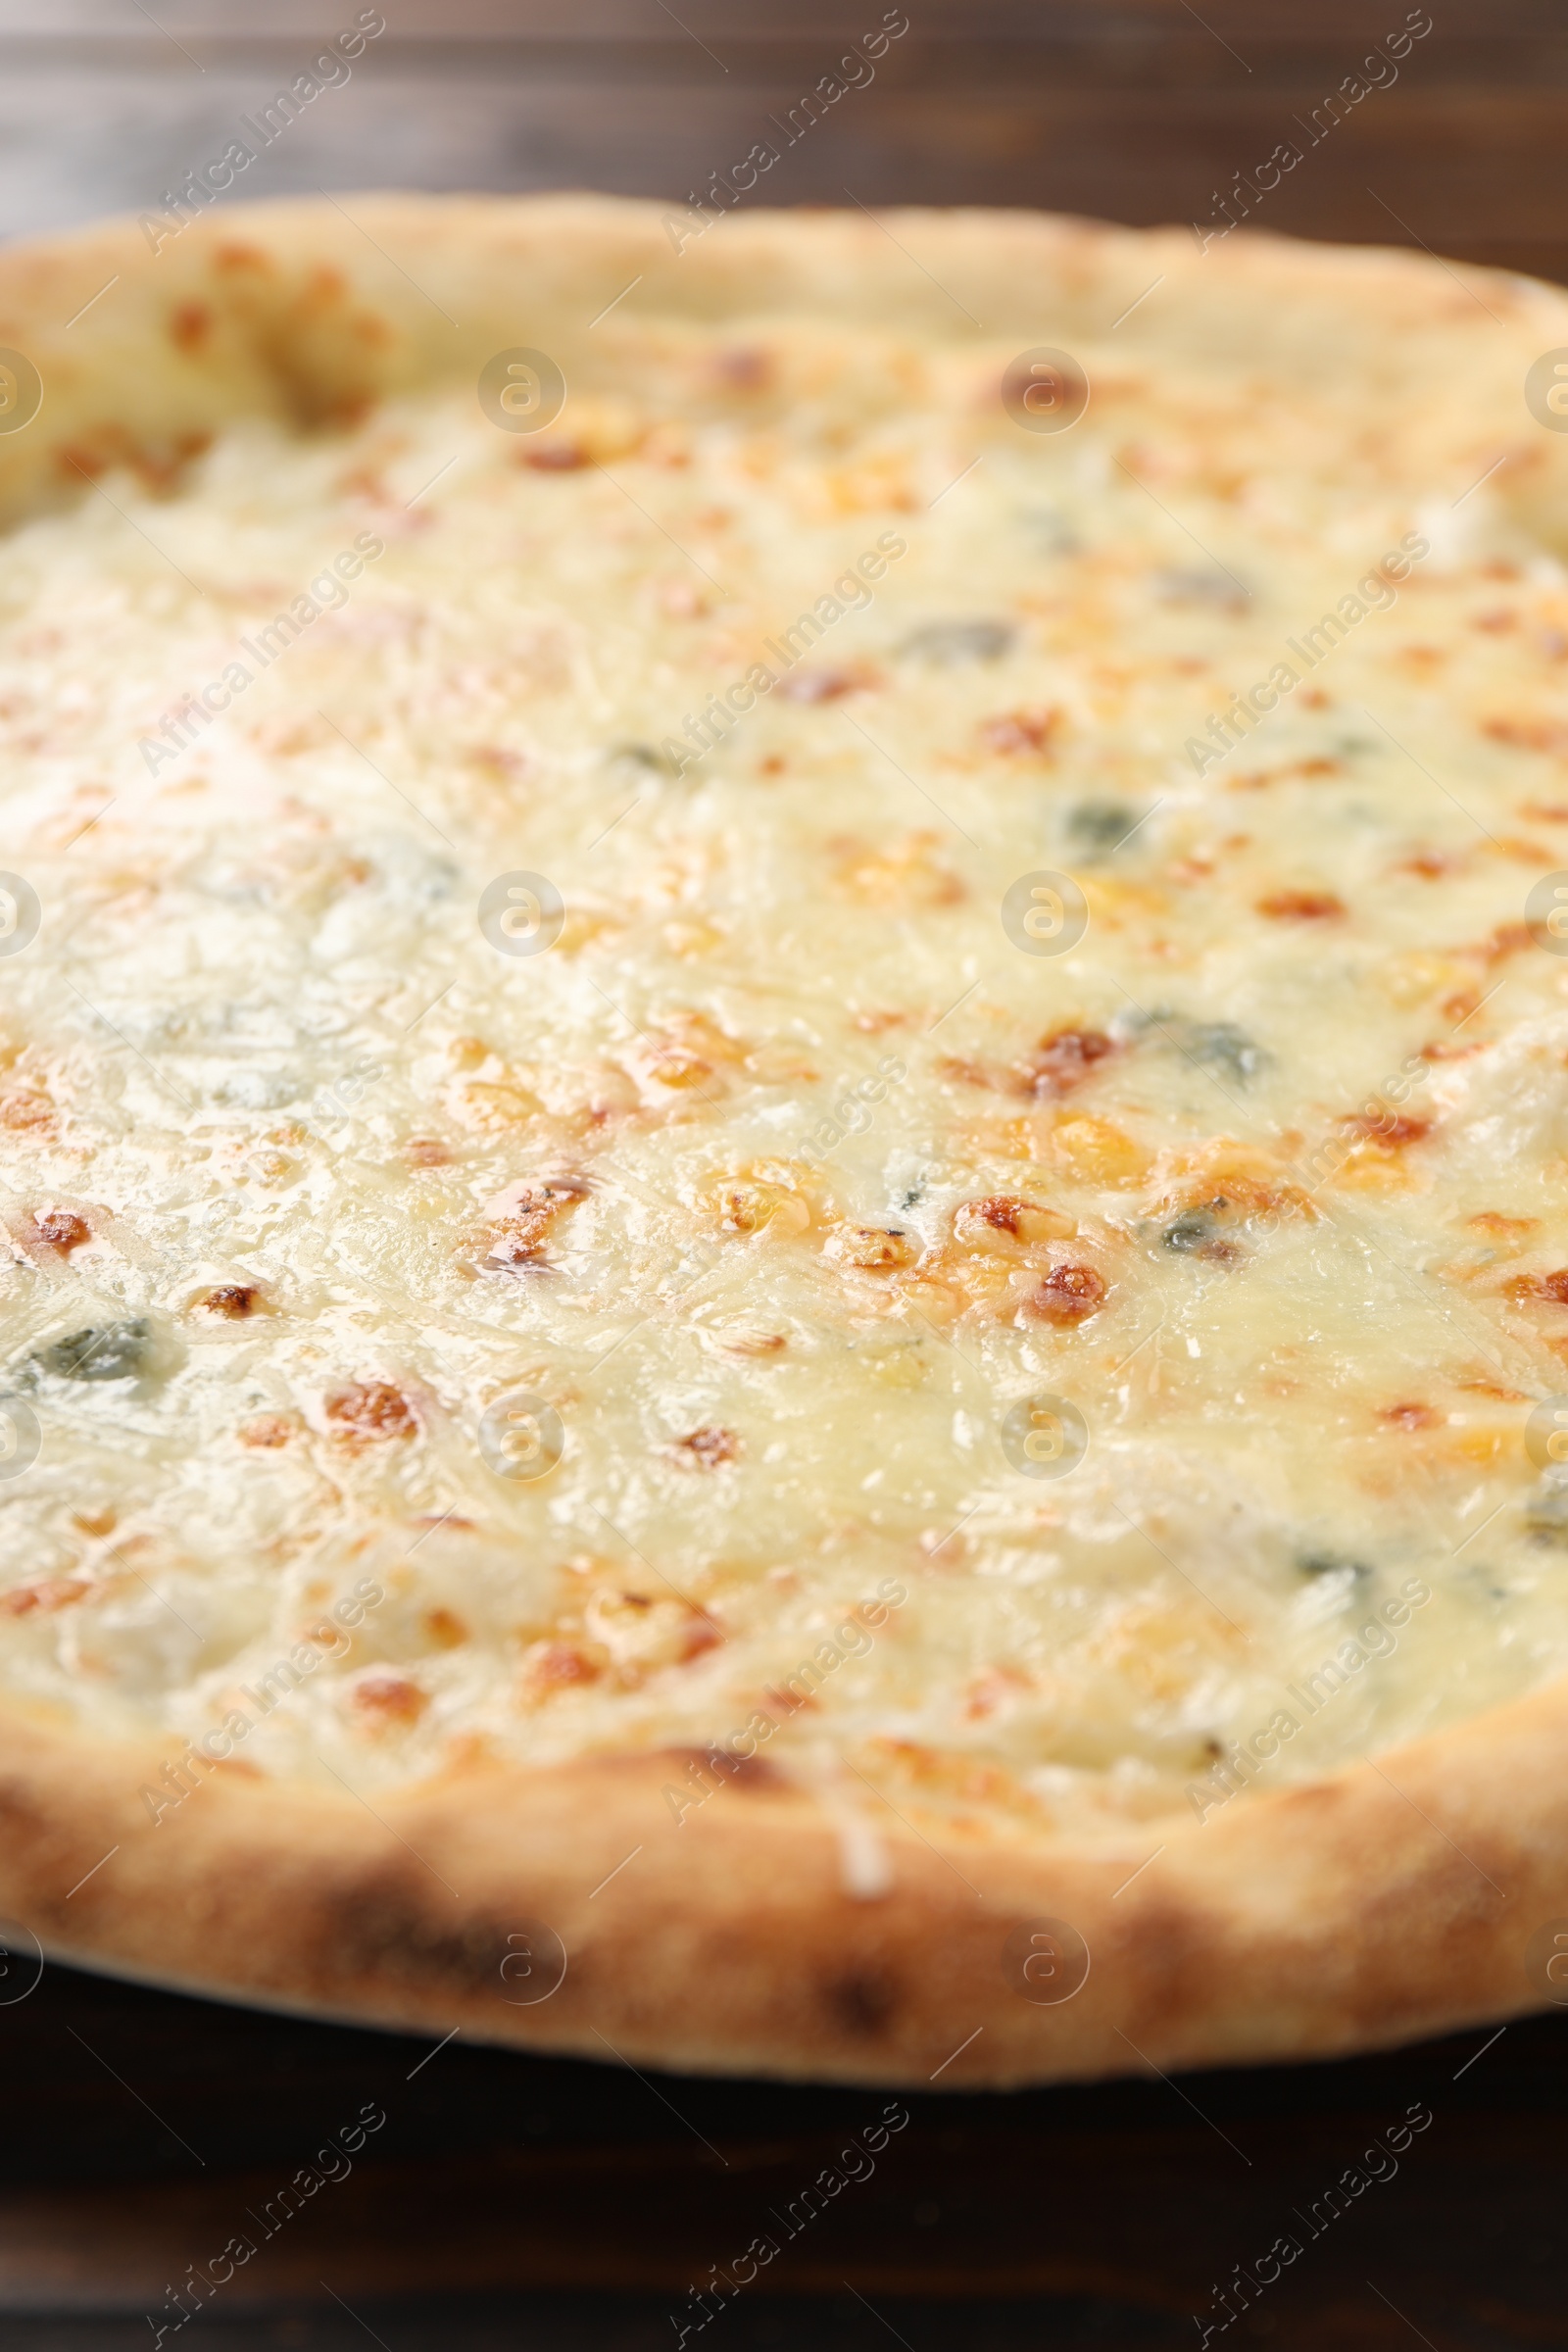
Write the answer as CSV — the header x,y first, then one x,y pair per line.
x,y
59,1229
999,1211
1508,939
1015,732
378,1929
701,1634
1526,734
45,1592
86,463
1063,1058
1386,1127
862,2001
190,326
232,258
707,1449
1410,1416
554,457
557,1192
324,287
754,1342
527,1214
743,370
425,1152
1001,1219
752,1772
25,1822
233,1300
1069,1294
25,1110
873,1248
384,1697
1553,1288
372,1408
514,1254
745,1771
558,1666
820,685
1301,906
266,1428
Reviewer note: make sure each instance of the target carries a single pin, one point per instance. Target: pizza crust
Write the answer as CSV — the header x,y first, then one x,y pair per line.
x,y
1391,1902
757,1932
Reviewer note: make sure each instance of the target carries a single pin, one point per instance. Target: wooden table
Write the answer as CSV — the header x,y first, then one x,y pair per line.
x,y
1135,110
548,2204
508,2202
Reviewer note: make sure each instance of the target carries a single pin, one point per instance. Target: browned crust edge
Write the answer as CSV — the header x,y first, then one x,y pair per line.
x,y
309,311
1395,1901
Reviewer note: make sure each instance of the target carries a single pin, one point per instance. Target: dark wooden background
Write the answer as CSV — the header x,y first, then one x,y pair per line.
x,y
551,2205
562,2208
1134,110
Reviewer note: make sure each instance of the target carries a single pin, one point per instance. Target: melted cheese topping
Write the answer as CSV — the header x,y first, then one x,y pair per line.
x,y
785,1175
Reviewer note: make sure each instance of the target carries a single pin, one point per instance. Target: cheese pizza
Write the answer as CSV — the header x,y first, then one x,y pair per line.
x,y
784,1071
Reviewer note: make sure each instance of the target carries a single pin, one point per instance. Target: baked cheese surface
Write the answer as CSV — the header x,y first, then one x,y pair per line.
x,y
691,1082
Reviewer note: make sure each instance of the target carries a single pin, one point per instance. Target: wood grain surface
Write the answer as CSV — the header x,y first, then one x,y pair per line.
x,y
146,2132
515,2202
1142,111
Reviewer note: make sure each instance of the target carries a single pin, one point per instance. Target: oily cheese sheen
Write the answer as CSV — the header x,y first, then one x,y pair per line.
x,y
795,1058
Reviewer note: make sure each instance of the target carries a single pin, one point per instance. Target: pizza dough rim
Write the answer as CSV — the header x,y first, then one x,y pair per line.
x,y
1391,1902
